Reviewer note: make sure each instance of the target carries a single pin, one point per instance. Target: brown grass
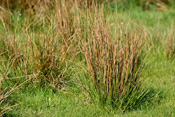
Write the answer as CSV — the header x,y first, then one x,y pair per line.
x,y
170,42
113,58
44,48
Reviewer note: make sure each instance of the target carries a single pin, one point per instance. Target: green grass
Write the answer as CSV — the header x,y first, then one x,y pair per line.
x,y
46,103
72,102
159,77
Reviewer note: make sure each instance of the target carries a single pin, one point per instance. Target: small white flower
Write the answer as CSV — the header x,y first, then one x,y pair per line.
x,y
20,14
121,23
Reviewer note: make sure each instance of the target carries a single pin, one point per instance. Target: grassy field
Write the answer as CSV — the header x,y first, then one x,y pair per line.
x,y
74,58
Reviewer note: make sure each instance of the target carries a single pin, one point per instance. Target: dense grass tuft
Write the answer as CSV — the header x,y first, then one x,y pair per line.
x,y
114,63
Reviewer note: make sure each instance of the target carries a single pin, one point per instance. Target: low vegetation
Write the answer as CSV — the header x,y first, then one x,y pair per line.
x,y
93,56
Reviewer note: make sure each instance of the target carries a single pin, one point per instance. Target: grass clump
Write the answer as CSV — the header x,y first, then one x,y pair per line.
x,y
44,54
114,62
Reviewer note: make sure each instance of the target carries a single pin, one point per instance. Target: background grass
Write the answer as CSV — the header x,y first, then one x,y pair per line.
x,y
71,100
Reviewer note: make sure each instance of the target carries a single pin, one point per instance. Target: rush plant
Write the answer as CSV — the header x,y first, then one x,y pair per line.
x,y
114,61
43,55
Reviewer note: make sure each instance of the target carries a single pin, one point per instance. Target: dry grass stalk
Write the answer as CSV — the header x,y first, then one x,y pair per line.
x,y
170,42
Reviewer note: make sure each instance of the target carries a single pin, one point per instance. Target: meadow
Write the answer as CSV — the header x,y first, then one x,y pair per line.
x,y
87,58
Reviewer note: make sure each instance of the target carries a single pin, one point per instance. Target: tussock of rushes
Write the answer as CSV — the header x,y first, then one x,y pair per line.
x,y
170,42
50,61
114,62
40,54
45,54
